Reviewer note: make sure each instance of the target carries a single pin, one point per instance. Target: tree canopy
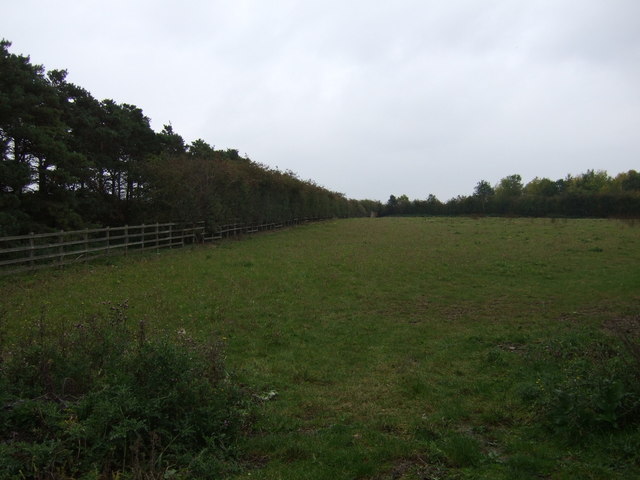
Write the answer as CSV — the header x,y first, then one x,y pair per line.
x,y
591,194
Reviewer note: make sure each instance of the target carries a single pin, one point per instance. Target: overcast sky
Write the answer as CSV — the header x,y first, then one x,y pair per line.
x,y
365,98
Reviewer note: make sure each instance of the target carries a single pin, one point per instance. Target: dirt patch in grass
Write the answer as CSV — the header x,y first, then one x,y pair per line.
x,y
628,326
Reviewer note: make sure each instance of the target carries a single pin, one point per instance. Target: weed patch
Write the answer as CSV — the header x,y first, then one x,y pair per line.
x,y
594,390
99,398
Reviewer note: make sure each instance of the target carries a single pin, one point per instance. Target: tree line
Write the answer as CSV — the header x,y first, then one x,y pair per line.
x,y
70,161
590,194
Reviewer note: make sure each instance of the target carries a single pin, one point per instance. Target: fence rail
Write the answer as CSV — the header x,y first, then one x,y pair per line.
x,y
43,250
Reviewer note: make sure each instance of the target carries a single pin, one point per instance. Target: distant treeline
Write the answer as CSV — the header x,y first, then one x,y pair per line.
x,y
70,161
591,194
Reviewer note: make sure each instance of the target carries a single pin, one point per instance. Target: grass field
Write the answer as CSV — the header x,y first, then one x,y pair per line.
x,y
400,348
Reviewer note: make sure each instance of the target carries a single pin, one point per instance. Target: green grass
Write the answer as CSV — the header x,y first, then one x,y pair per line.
x,y
402,348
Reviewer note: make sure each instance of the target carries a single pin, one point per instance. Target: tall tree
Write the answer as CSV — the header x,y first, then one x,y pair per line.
x,y
483,191
629,181
542,187
591,181
170,143
509,187
35,139
200,148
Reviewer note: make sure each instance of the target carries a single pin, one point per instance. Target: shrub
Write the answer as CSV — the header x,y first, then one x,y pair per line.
x,y
100,399
595,390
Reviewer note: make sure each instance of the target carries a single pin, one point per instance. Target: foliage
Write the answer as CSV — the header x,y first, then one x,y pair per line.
x,y
100,398
543,187
595,390
70,161
221,187
484,191
509,187
591,194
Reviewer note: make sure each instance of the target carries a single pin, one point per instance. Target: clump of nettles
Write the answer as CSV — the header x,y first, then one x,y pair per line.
x,y
99,400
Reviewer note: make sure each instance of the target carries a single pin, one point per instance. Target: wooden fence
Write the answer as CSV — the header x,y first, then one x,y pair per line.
x,y
34,251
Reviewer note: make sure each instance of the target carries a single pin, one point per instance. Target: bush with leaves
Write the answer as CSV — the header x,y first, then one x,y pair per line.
x,y
99,400
595,388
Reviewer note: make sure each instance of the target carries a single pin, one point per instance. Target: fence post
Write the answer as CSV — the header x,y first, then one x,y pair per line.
x,y
142,231
31,249
86,243
171,235
126,239
108,236
157,239
61,248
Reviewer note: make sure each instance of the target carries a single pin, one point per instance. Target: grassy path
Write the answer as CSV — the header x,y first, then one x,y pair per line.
x,y
398,347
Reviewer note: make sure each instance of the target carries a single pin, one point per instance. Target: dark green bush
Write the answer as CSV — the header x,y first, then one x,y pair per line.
x,y
98,400
595,389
